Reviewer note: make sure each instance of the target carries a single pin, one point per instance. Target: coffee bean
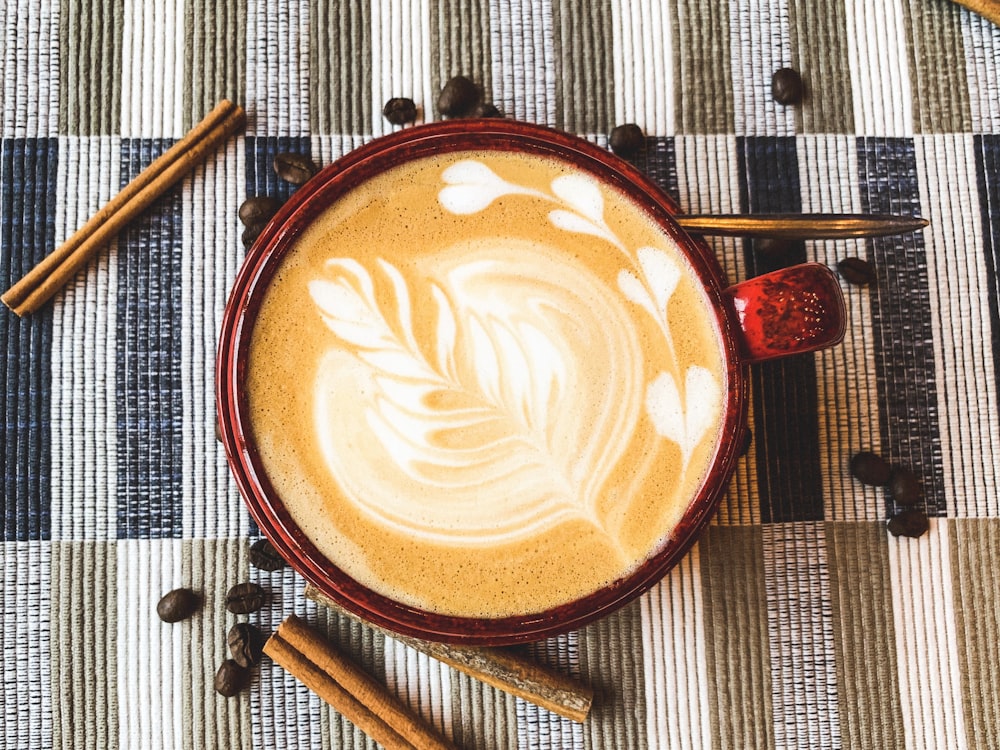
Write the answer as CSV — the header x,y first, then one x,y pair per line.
x,y
869,468
294,168
178,605
627,140
459,97
786,86
487,109
251,233
856,271
910,522
218,428
246,644
400,110
904,486
231,678
264,556
258,209
244,598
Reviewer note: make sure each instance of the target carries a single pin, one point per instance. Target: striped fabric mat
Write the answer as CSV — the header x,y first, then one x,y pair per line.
x,y
796,622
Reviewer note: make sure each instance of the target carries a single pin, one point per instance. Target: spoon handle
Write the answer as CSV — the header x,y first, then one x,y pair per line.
x,y
800,226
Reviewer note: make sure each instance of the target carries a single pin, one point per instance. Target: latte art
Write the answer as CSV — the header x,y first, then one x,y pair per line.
x,y
473,186
493,429
484,384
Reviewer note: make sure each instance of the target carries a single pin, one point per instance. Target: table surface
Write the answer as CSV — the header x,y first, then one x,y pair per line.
x,y
797,621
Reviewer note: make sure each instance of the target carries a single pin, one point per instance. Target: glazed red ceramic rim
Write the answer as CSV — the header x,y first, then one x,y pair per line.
x,y
258,268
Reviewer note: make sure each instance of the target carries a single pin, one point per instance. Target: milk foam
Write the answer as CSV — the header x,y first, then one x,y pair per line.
x,y
496,428
473,186
485,385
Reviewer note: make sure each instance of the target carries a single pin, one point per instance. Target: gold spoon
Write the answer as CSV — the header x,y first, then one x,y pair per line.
x,y
800,226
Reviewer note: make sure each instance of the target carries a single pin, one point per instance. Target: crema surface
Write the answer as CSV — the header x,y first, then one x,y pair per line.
x,y
485,385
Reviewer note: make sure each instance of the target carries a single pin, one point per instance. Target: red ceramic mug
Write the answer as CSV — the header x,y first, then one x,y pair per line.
x,y
794,310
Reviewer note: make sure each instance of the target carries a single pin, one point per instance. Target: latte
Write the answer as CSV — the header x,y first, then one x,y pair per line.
x,y
484,384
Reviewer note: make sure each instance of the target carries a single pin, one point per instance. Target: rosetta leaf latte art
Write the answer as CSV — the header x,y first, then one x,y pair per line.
x,y
582,195
660,276
586,214
485,404
473,186
683,421
353,314
571,221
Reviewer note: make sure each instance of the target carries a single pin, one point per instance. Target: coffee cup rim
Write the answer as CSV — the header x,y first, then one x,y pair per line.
x,y
266,255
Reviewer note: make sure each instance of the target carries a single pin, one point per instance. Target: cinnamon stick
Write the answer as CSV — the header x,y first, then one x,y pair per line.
x,y
360,698
988,9
52,273
501,668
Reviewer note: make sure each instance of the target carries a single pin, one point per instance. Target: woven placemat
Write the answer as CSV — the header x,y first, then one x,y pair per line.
x,y
797,621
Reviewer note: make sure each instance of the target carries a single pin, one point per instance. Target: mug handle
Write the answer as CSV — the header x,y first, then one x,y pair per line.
x,y
789,311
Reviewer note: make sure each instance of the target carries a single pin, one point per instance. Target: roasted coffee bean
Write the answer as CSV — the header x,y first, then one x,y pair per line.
x,y
487,109
218,429
178,605
910,522
231,678
251,233
856,271
904,486
400,110
246,644
294,168
627,140
264,556
747,440
869,468
258,209
786,86
459,97
244,598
